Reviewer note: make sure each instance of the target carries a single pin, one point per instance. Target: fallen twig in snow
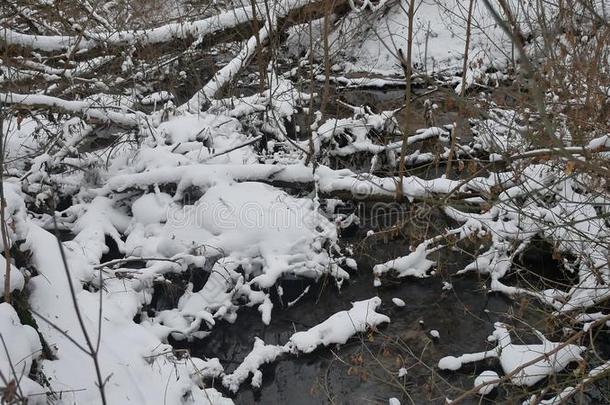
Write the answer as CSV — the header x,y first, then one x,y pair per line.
x,y
116,262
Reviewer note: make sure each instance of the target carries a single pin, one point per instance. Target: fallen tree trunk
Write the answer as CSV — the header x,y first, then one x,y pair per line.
x,y
226,26
88,110
153,36
331,183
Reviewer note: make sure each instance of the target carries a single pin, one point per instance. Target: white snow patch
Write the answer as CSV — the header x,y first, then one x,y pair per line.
x,y
513,357
338,328
20,346
486,377
415,264
260,354
398,302
17,281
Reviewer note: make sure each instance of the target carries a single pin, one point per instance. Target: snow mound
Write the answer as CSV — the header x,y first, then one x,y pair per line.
x,y
20,347
275,233
201,137
513,356
141,368
398,302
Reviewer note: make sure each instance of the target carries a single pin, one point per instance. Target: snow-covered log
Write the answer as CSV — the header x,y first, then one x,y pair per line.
x,y
95,112
330,183
165,33
292,10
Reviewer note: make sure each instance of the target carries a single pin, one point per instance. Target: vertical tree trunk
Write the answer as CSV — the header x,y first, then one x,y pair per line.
x,y
328,7
259,48
312,152
460,121
3,230
407,66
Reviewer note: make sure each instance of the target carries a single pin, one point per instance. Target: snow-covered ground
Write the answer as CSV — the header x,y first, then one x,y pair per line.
x,y
222,187
370,42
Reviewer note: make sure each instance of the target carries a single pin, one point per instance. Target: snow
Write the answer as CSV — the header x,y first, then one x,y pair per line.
x,y
375,37
244,221
260,354
329,181
17,281
93,111
127,365
486,377
338,328
216,300
513,356
501,133
415,264
513,226
546,358
363,82
20,347
151,208
157,98
19,141
138,369
398,302
455,363
152,36
191,190
227,72
569,391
